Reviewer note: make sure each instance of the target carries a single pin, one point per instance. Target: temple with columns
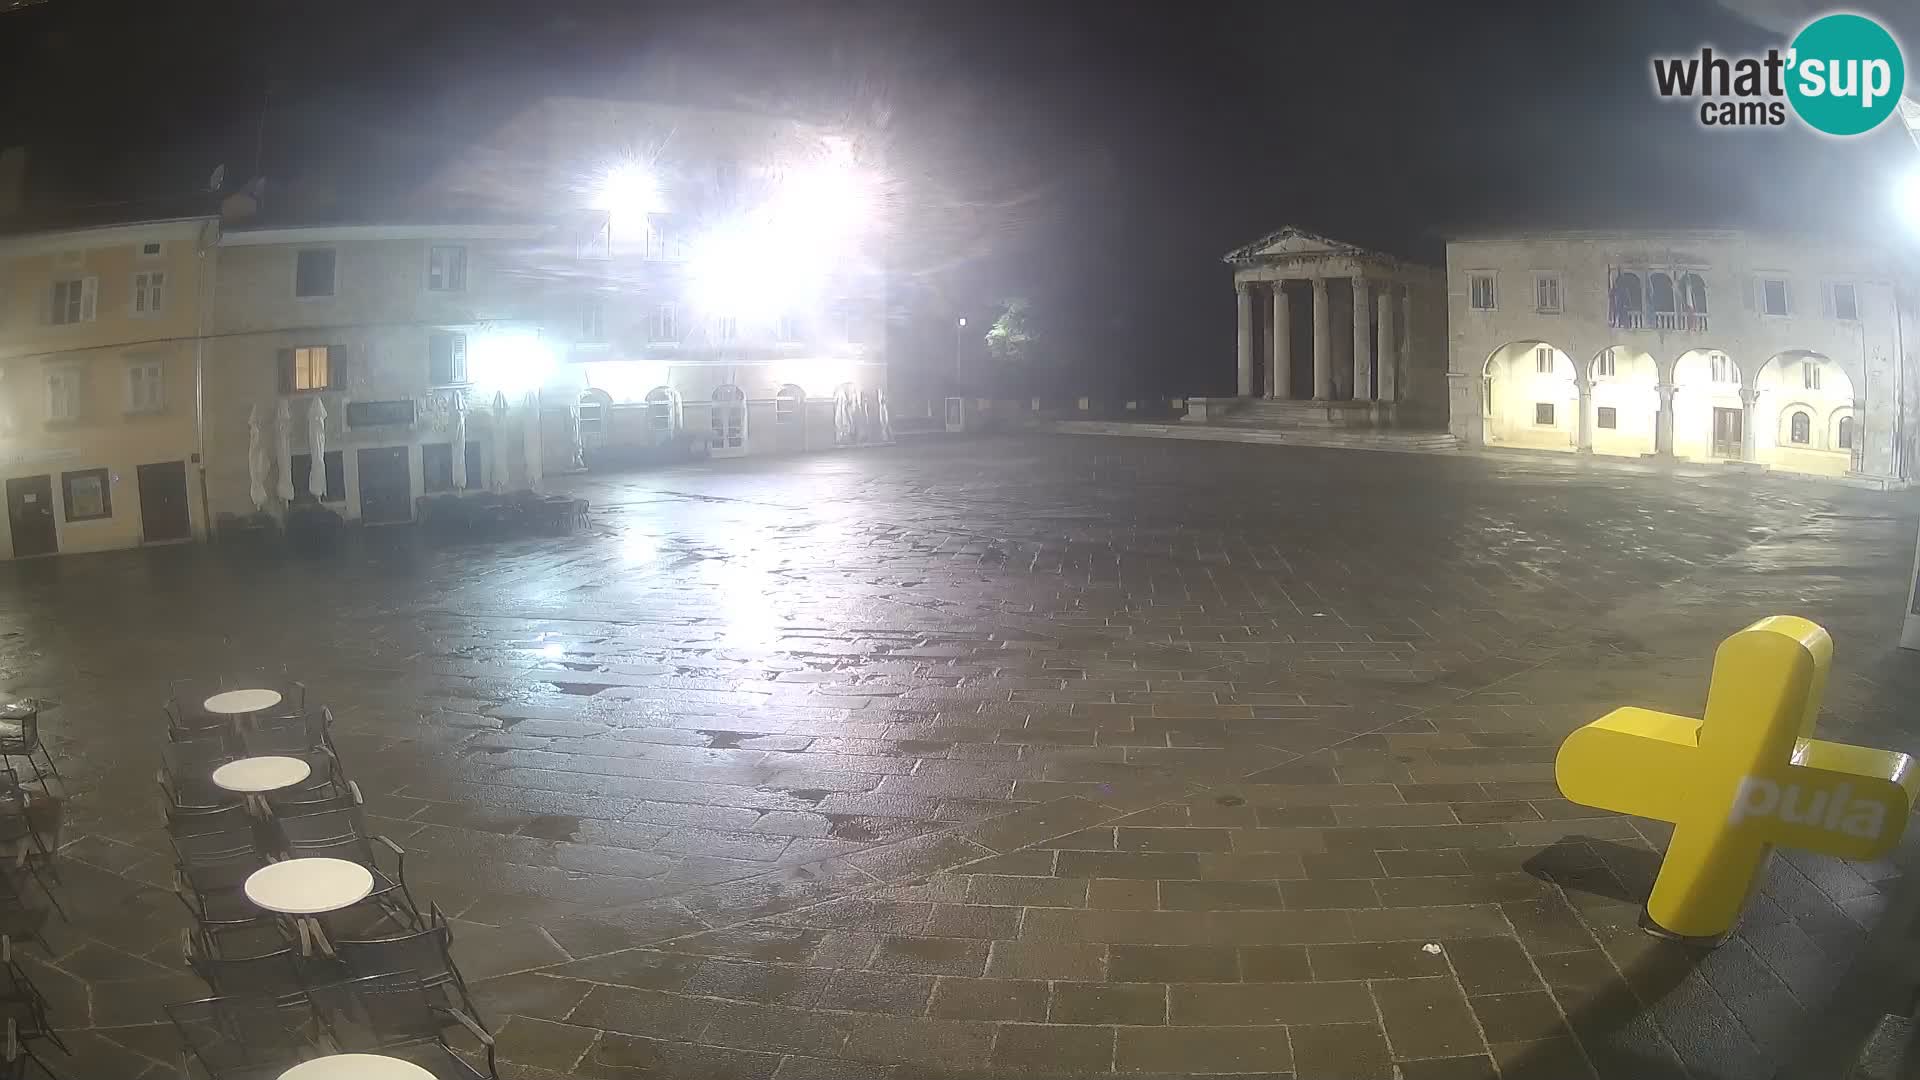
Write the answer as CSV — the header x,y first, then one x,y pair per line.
x,y
1332,334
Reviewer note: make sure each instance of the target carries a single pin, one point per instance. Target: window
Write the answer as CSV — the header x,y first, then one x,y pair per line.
x,y
664,326
149,290
1486,395
852,330
146,387
72,301
152,249
1773,296
1810,374
1546,293
1625,307
1843,433
1543,359
1693,293
336,477
63,395
1661,298
1480,291
447,268
726,327
1846,302
446,359
593,319
787,328
660,410
1543,413
313,273
87,495
664,238
1724,370
787,405
309,367
1607,417
1799,429
1603,365
596,239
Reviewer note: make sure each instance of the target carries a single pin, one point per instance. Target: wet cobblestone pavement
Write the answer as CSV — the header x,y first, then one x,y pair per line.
x,y
1050,756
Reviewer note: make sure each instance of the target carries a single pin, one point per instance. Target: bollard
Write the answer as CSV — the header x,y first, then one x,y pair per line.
x,y
1742,779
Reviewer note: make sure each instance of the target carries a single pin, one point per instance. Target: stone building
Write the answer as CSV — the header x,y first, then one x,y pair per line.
x,y
381,334
1796,353
716,285
1333,333
99,370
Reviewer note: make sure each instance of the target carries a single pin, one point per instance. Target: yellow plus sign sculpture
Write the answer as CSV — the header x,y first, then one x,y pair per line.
x,y
1744,778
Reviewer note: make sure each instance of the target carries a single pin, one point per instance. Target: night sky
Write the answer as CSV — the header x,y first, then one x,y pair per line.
x,y
1095,157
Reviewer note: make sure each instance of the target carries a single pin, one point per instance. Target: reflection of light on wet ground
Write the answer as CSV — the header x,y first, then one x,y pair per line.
x,y
638,548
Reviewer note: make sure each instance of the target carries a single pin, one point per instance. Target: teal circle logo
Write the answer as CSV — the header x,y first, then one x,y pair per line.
x,y
1845,74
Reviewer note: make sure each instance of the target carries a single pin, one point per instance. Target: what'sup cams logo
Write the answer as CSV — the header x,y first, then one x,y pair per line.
x,y
1842,74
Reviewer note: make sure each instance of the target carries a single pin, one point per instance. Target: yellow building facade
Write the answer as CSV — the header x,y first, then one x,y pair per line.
x,y
100,341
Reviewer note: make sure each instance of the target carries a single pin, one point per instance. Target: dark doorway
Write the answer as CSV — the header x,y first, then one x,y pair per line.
x,y
386,491
30,513
1726,433
163,502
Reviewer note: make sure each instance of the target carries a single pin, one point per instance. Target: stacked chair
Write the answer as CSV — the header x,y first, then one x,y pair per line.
x,y
388,984
24,1009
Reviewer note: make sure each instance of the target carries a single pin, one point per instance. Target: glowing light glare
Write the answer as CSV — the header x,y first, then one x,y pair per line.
x,y
626,188
1907,199
747,267
513,363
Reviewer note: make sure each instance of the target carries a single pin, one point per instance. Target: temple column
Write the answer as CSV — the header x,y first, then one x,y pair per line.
x,y
1362,340
1245,296
1322,343
1389,360
1280,375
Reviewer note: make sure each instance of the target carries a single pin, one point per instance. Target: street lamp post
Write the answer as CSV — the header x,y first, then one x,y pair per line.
x,y
959,334
1909,195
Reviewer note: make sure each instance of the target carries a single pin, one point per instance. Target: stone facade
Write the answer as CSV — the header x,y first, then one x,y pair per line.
x,y
1792,352
98,375
377,324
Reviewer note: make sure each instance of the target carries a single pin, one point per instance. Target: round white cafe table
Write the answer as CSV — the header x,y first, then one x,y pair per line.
x,y
241,702
309,886
258,775
356,1067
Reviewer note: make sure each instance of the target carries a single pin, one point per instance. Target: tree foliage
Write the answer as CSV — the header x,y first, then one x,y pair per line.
x,y
1011,338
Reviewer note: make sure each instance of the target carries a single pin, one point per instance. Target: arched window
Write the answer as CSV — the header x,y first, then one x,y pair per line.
x,y
1603,365
1661,299
660,411
1627,310
1843,434
787,405
1800,429
1724,369
1693,299
729,419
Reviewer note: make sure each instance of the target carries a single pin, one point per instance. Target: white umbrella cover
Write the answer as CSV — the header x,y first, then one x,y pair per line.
x,y
499,442
256,461
843,417
283,451
317,448
460,444
576,450
530,433
886,421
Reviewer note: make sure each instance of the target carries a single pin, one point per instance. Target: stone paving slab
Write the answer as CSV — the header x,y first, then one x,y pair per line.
x,y
1038,756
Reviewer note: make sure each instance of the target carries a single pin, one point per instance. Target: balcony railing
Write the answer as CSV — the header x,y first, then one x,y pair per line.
x,y
1682,321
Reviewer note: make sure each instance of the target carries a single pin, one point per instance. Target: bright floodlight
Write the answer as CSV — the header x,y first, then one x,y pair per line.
x,y
626,188
512,362
1906,196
